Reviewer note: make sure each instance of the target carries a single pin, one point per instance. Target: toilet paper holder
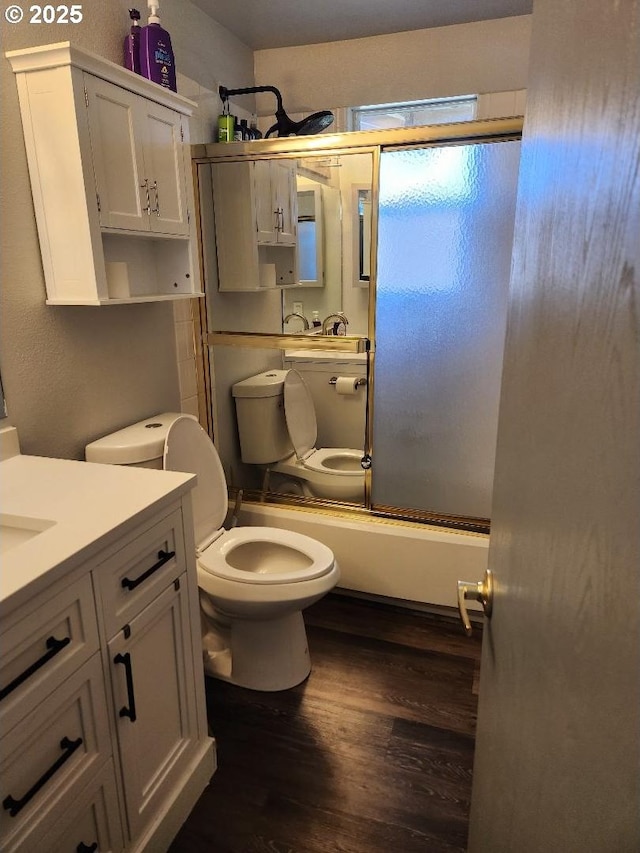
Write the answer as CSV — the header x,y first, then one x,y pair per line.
x,y
356,382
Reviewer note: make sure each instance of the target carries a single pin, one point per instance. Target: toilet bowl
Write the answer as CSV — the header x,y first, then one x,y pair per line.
x,y
253,582
278,430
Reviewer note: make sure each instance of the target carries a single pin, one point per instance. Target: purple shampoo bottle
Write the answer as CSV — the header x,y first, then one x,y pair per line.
x,y
156,55
132,43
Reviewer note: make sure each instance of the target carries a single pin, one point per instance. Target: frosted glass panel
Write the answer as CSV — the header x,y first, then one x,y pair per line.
x,y
444,254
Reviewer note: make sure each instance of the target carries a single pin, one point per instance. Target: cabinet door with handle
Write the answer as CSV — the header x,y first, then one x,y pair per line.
x,y
138,156
283,180
267,213
122,187
274,186
154,703
163,140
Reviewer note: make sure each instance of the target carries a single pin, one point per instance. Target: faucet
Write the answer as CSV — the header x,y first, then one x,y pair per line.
x,y
338,316
301,316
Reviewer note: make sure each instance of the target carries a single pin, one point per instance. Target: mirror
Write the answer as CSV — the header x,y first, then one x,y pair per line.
x,y
343,243
287,236
284,244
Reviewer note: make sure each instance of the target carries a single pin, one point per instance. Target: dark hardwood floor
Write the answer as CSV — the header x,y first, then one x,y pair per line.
x,y
372,754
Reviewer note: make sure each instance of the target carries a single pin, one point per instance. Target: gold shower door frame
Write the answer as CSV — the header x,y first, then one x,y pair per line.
x,y
373,142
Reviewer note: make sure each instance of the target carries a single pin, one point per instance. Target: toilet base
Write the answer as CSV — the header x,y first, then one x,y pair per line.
x,y
264,655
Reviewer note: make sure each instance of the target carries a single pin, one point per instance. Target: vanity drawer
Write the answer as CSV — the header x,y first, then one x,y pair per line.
x,y
137,573
47,760
42,644
93,820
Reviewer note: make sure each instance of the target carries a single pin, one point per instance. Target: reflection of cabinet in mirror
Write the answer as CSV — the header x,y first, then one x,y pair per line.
x,y
255,211
274,184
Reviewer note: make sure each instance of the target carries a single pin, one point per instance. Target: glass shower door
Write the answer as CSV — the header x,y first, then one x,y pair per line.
x,y
445,233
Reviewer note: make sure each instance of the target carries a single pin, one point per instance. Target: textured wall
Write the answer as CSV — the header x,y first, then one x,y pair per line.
x,y
486,56
71,374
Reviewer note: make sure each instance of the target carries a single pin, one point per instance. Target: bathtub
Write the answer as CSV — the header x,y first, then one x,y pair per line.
x,y
409,562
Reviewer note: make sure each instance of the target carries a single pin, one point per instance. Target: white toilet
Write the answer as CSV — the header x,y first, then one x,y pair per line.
x,y
254,581
278,430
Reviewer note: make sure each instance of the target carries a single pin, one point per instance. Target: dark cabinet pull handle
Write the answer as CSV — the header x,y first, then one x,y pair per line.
x,y
14,806
130,712
87,848
163,557
54,646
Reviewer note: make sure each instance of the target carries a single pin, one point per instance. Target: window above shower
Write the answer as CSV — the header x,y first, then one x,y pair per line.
x,y
413,113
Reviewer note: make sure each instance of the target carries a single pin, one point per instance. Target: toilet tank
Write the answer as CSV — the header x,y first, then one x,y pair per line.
x,y
140,445
262,427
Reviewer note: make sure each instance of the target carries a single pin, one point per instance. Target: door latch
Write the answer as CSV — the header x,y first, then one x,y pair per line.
x,y
481,591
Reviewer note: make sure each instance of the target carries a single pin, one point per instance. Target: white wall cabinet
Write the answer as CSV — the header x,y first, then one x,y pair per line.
x,y
109,162
104,736
137,148
255,214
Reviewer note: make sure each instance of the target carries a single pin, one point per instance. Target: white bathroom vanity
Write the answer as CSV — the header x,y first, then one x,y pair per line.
x,y
102,710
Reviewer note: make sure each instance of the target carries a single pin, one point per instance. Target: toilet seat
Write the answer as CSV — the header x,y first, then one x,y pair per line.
x,y
246,554
321,460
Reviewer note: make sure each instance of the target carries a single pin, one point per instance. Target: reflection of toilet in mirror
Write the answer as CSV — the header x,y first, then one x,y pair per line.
x,y
278,430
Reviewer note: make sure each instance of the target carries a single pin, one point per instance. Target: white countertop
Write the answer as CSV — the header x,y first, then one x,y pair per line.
x,y
88,504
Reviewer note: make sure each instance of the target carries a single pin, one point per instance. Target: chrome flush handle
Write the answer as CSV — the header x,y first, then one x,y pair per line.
x,y
481,591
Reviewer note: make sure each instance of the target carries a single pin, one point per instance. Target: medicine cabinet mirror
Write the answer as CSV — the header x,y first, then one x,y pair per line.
x,y
304,271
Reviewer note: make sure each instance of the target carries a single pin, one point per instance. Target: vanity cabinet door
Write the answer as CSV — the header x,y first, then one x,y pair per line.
x,y
152,676
138,160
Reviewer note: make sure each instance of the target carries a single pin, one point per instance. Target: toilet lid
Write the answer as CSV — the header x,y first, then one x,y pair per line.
x,y
300,414
189,449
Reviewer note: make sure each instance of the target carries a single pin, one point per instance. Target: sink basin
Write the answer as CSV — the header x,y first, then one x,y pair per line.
x,y
17,529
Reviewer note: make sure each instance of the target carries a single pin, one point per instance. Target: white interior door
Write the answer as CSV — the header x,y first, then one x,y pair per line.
x,y
557,752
